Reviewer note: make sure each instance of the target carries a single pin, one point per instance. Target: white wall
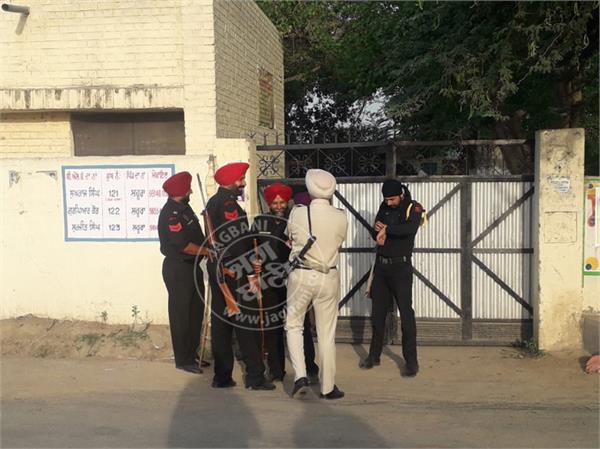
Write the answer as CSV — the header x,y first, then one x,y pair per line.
x,y
42,274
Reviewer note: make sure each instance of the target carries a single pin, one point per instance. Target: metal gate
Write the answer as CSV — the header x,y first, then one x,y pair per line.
x,y
472,261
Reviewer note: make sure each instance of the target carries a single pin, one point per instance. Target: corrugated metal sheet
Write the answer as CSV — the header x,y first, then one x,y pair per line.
x,y
443,270
492,199
443,231
490,301
489,201
352,267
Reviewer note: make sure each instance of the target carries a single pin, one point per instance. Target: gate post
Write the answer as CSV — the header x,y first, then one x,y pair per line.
x,y
558,238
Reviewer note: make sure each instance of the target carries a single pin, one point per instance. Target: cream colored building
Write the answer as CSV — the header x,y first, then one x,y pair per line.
x,y
119,83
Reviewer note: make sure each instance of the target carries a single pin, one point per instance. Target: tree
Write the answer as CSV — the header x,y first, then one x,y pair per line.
x,y
448,69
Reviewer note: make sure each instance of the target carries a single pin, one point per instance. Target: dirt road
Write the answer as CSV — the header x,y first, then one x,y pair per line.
x,y
463,397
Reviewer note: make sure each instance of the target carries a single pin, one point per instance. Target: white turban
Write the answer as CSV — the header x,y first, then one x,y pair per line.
x,y
320,183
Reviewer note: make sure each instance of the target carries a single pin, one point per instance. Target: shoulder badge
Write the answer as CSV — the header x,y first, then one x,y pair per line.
x,y
175,227
233,215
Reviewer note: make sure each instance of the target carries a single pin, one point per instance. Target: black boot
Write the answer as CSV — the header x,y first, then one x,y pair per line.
x,y
227,384
412,368
369,363
264,385
194,369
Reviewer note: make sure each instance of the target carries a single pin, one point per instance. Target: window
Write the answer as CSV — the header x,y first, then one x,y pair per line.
x,y
137,133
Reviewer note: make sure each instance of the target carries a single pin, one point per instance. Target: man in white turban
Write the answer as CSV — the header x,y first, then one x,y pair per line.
x,y
315,281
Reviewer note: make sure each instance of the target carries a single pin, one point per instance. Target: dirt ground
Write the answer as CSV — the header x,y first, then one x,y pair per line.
x,y
42,337
74,384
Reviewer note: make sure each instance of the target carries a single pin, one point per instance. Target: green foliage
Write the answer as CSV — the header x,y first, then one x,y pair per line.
x,y
129,338
528,348
90,340
135,313
447,69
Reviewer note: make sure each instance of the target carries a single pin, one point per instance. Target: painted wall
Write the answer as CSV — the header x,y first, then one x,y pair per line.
x,y
41,273
591,251
558,238
142,54
116,55
35,134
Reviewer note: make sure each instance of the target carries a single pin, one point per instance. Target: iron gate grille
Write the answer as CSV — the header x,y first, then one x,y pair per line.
x,y
472,261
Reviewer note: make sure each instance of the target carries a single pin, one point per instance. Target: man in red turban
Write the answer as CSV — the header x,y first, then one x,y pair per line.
x,y
278,195
233,173
233,241
181,240
271,231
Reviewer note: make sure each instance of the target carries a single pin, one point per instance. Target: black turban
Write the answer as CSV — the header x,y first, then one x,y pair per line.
x,y
392,187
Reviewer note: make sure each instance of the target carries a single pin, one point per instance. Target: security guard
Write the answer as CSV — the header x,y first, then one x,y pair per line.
x,y
181,240
232,278
396,225
315,281
271,230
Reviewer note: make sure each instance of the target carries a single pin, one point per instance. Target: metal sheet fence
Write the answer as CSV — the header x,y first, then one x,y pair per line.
x,y
438,248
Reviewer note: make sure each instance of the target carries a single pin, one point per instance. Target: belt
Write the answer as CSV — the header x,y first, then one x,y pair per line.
x,y
392,260
180,259
302,267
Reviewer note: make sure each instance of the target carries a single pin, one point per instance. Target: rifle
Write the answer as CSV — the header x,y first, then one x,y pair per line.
x,y
230,302
207,301
299,258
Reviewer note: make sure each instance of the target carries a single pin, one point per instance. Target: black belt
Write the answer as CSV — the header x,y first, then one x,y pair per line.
x,y
181,259
392,260
307,268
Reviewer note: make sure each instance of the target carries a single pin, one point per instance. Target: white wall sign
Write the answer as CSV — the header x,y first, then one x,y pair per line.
x,y
113,202
560,184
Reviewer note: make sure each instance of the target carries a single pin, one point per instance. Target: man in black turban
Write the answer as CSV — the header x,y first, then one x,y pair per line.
x,y
396,225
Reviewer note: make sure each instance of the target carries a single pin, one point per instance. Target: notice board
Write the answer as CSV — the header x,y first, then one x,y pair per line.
x,y
591,220
113,202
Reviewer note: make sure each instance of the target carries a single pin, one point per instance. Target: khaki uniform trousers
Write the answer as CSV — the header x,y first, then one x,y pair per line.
x,y
306,287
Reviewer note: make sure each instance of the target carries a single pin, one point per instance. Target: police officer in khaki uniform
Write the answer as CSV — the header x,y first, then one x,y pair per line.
x,y
315,281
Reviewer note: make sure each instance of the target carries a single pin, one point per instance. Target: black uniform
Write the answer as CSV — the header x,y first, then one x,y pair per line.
x,y
178,226
272,231
233,239
393,277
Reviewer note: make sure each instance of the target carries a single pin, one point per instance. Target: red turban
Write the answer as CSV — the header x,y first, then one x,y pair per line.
x,y
230,173
179,184
285,192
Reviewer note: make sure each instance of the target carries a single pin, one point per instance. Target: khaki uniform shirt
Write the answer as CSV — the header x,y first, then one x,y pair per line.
x,y
329,226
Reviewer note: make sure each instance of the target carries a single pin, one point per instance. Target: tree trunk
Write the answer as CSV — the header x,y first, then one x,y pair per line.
x,y
571,98
518,158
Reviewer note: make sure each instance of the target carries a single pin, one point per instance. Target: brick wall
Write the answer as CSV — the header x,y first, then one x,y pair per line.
x,y
142,54
245,42
199,75
39,134
65,43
